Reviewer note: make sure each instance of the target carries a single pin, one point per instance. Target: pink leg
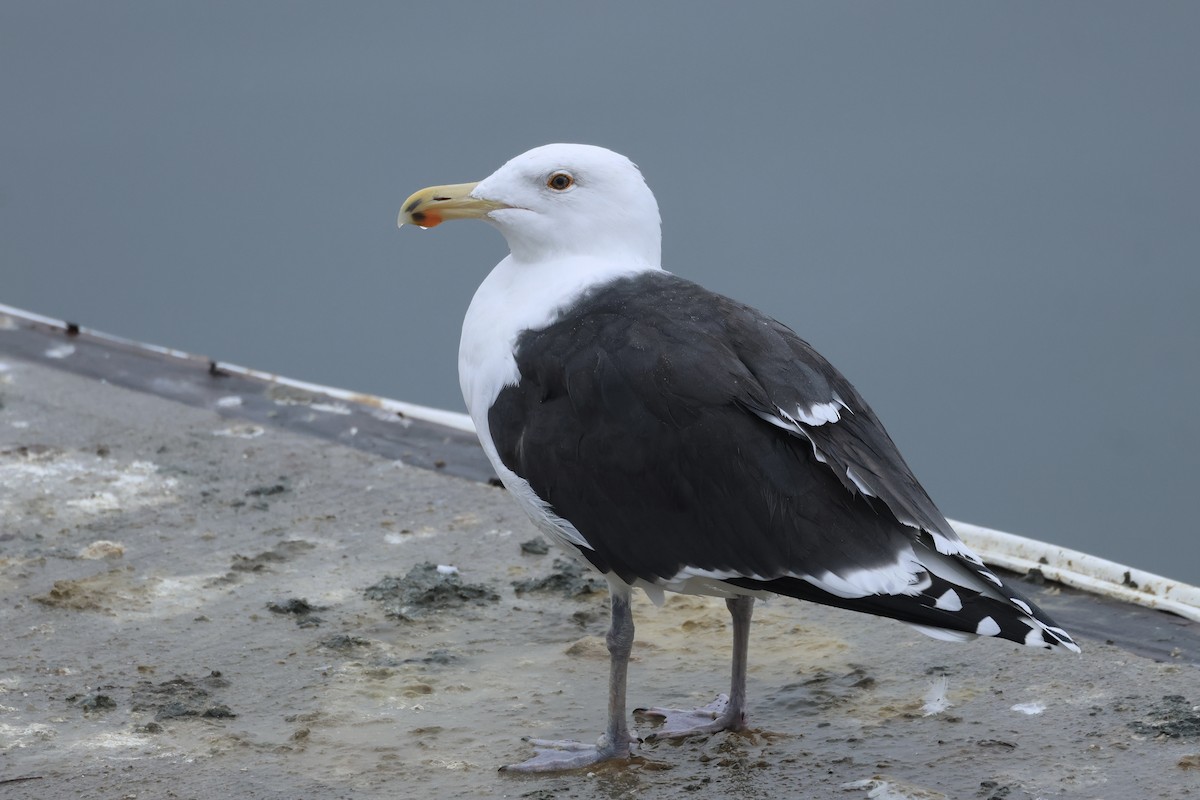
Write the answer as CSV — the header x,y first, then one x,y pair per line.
x,y
554,755
727,712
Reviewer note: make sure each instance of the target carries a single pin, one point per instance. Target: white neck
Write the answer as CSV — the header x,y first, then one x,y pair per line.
x,y
547,239
518,296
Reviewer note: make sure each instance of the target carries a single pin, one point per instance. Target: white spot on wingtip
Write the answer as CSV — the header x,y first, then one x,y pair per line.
x,y
790,425
949,601
991,577
818,413
905,577
1035,638
1021,604
987,627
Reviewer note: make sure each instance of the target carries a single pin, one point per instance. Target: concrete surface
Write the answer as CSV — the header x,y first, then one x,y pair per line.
x,y
184,614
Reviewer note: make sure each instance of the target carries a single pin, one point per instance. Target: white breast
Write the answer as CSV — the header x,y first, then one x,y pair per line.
x,y
515,297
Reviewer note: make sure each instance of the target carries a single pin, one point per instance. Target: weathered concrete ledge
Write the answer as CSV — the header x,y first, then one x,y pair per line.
x,y
184,613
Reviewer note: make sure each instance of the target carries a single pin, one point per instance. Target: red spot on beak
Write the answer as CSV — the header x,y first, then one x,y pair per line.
x,y
427,219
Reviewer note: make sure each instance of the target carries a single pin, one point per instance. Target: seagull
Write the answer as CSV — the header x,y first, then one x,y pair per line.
x,y
678,440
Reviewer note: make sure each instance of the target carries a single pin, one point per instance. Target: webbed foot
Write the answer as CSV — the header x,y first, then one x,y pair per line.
x,y
552,755
677,723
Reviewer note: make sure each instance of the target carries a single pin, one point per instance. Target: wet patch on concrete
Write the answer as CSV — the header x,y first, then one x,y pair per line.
x,y
257,494
268,490
823,690
536,546
303,611
280,554
345,643
182,697
93,702
1173,717
49,490
440,657
103,549
427,589
108,592
569,578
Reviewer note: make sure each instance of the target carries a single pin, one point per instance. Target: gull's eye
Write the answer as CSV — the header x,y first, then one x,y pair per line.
x,y
560,181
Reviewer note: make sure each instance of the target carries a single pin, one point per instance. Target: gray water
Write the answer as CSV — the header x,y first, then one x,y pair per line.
x,y
987,217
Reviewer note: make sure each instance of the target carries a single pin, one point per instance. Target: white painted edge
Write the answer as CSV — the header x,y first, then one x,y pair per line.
x,y
1006,550
29,316
438,416
1081,571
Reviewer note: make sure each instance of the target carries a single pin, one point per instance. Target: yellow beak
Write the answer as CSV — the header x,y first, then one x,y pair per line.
x,y
435,205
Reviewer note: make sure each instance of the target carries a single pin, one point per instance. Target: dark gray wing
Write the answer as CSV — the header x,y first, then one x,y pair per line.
x,y
684,434
658,412
796,389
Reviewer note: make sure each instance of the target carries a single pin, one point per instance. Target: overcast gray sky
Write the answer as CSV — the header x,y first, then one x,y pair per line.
x,y
986,215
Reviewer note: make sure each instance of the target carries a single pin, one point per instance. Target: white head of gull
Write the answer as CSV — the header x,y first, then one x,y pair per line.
x,y
678,440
